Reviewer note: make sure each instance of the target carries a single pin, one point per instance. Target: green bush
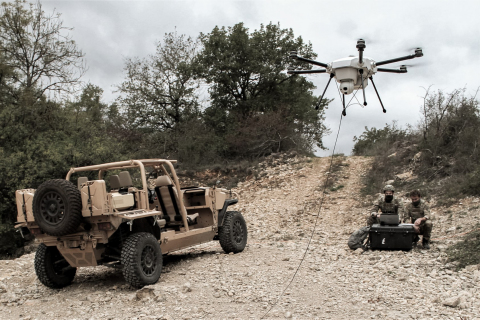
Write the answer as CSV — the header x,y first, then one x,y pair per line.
x,y
442,151
466,252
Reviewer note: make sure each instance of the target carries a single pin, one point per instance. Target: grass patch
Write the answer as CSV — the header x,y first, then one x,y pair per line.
x,y
467,251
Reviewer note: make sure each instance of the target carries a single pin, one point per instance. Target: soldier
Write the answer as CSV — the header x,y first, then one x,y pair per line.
x,y
387,205
417,212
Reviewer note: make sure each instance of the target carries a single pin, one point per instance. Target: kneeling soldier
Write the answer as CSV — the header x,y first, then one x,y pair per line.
x,y
417,212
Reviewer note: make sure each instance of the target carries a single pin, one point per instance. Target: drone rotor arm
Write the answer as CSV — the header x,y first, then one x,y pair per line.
x,y
306,71
293,55
418,53
402,69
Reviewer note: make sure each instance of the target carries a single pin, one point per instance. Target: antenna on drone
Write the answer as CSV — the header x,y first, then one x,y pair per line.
x,y
352,73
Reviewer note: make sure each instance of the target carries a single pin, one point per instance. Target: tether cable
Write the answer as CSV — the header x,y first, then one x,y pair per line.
x,y
316,221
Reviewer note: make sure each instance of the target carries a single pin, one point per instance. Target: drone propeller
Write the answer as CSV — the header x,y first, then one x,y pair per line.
x,y
414,48
413,65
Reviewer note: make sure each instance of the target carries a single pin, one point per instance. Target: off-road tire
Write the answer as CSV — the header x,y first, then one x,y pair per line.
x,y
51,267
57,207
141,259
233,233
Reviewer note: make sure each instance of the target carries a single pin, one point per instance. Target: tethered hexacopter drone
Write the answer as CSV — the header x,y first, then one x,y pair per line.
x,y
353,73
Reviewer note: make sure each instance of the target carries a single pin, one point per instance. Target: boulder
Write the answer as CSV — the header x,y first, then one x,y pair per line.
x,y
452,302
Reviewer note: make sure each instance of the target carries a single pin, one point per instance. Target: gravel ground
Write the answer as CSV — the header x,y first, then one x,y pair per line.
x,y
280,208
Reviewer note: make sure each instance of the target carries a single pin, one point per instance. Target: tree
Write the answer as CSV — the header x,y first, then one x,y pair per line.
x,y
160,91
450,129
39,49
248,84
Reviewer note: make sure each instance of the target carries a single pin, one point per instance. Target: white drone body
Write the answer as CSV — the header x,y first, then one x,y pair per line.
x,y
347,73
352,73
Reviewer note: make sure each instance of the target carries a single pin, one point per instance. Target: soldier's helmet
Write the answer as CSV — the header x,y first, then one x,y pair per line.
x,y
388,187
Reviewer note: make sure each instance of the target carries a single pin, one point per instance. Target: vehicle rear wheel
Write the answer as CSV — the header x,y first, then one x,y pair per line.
x,y
233,233
51,267
57,207
141,259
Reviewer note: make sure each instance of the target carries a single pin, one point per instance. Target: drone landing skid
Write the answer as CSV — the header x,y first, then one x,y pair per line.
x,y
384,111
321,97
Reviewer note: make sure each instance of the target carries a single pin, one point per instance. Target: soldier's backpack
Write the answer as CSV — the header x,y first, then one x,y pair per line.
x,y
357,239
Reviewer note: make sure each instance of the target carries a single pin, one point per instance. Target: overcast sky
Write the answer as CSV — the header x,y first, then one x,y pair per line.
x,y
110,31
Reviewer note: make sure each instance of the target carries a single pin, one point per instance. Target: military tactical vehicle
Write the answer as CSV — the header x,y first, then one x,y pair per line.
x,y
121,224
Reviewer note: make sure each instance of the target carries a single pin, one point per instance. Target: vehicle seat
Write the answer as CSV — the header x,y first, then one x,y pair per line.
x,y
125,181
168,198
114,182
80,181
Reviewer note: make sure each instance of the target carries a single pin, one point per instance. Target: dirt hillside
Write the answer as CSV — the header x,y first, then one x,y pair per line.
x,y
280,208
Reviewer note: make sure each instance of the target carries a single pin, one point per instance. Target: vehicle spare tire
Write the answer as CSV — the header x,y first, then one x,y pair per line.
x,y
57,207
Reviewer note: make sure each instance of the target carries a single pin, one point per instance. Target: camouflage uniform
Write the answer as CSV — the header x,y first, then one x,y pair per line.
x,y
413,212
393,207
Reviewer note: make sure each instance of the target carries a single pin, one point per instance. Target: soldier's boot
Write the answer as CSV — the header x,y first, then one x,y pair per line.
x,y
425,244
426,232
415,241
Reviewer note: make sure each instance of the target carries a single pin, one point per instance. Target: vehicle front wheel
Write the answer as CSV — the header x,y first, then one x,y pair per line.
x,y
51,267
233,233
141,259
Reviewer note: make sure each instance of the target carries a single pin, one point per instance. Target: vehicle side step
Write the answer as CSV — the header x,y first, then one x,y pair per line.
x,y
136,214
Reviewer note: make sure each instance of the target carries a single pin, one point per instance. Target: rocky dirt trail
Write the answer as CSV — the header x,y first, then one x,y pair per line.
x,y
280,208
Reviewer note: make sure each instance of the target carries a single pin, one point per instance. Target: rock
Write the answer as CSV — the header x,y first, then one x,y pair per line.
x,y
10,297
358,251
452,229
451,302
416,157
471,268
476,275
288,315
187,287
389,182
145,293
405,176
216,294
3,288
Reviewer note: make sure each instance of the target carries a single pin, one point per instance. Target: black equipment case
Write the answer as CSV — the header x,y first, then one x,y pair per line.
x,y
391,237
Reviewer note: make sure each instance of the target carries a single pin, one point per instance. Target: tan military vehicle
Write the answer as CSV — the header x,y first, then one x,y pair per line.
x,y
115,222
